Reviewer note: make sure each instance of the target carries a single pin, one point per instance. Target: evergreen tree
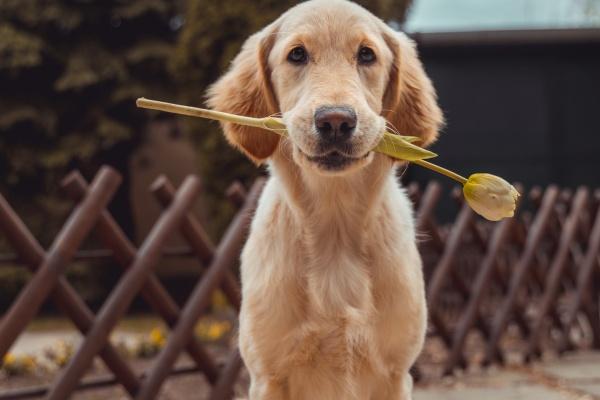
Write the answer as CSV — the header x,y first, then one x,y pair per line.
x,y
70,71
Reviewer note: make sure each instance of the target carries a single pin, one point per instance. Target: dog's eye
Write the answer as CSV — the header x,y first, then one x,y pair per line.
x,y
366,55
298,55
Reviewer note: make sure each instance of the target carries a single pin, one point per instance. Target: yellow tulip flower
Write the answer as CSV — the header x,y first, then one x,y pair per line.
x,y
488,195
491,196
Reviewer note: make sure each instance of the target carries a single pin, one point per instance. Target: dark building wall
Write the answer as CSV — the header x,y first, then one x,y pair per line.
x,y
525,110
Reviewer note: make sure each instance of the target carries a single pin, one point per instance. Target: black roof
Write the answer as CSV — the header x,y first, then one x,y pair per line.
x,y
507,37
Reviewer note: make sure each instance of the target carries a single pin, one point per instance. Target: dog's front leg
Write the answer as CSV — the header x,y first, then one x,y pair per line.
x,y
406,388
262,388
399,387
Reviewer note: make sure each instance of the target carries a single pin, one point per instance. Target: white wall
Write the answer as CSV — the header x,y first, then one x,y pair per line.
x,y
467,15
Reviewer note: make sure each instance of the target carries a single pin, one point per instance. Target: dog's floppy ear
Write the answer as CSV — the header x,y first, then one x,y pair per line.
x,y
410,103
246,90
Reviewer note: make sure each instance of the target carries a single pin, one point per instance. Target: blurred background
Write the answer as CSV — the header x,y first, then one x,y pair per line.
x,y
70,72
518,80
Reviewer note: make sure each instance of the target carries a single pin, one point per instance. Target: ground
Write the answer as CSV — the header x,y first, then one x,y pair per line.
x,y
573,376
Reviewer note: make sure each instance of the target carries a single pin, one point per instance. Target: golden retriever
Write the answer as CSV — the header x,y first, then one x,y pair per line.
x,y
332,286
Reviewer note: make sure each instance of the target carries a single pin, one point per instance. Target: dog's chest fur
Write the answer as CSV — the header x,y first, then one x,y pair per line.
x,y
335,291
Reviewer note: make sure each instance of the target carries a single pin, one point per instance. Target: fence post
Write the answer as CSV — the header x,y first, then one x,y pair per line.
x,y
75,230
226,254
557,270
66,298
481,283
126,289
584,293
198,240
521,271
153,291
443,270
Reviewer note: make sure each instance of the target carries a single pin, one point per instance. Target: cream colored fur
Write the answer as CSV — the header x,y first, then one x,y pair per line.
x,y
333,294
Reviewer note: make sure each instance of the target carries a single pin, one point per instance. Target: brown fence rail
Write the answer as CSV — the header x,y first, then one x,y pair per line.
x,y
90,214
536,274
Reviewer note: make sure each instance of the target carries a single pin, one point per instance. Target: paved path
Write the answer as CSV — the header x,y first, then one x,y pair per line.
x,y
574,376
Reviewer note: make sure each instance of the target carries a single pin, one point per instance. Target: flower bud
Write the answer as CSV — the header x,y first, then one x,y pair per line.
x,y
491,196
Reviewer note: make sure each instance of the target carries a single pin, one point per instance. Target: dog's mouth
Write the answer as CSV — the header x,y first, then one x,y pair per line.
x,y
335,160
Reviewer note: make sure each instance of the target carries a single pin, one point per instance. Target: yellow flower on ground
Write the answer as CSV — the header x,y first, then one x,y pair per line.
x,y
157,337
14,365
9,358
219,301
29,363
60,353
149,345
491,196
209,330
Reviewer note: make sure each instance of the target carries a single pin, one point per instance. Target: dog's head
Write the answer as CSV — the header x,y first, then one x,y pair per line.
x,y
336,74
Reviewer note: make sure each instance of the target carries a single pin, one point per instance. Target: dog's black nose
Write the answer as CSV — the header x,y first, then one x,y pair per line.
x,y
335,124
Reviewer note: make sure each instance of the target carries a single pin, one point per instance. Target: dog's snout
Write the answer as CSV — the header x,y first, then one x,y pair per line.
x,y
335,124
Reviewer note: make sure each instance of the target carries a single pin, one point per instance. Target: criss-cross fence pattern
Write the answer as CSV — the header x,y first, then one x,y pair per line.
x,y
536,274
89,215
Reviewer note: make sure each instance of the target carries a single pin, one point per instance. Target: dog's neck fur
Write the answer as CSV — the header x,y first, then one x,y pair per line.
x,y
348,200
334,214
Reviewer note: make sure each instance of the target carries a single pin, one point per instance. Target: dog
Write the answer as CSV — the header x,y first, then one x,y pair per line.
x,y
332,285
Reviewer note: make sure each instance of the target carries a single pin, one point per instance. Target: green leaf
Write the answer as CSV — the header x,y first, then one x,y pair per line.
x,y
396,147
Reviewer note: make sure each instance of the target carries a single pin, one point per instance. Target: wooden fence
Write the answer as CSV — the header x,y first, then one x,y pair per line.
x,y
537,272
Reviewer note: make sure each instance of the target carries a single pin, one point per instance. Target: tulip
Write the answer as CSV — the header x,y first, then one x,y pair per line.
x,y
488,195
396,146
491,196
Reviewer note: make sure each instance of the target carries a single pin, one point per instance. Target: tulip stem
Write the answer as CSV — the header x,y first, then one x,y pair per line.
x,y
398,147
441,170
203,113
